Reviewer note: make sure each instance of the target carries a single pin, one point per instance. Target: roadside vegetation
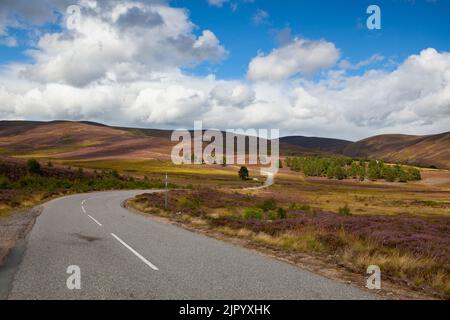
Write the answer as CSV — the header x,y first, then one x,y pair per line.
x,y
185,175
347,168
24,184
411,251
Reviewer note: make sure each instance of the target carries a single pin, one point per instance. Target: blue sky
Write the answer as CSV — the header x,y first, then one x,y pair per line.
x,y
407,27
305,67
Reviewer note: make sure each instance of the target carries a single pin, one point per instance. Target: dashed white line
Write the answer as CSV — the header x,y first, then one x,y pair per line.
x,y
148,263
95,220
84,210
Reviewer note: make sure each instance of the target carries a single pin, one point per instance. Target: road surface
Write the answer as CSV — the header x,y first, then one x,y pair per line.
x,y
269,182
123,255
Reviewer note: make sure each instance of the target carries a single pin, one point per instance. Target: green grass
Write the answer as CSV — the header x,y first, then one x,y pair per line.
x,y
180,174
38,183
146,166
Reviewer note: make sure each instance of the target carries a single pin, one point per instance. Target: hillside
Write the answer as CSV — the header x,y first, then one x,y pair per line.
x,y
80,140
88,140
426,151
313,143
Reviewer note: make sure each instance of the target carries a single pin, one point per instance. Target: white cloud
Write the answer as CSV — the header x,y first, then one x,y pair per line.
x,y
233,94
298,57
149,37
130,74
217,3
173,104
345,64
414,98
260,17
417,92
8,41
29,12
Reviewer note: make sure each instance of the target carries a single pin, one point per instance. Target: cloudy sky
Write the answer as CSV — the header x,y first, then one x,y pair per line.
x,y
305,67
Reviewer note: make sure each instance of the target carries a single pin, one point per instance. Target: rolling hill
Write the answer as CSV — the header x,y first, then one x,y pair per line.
x,y
313,143
81,140
425,151
88,140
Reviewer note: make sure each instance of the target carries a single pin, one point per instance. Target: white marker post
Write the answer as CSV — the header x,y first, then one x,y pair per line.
x,y
166,193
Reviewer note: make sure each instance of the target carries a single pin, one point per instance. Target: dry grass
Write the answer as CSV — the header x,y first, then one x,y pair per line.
x,y
358,255
366,198
316,232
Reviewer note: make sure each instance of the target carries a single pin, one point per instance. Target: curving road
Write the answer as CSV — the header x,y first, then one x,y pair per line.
x,y
269,182
123,255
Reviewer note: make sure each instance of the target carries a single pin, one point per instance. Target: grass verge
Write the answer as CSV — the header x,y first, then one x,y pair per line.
x,y
410,251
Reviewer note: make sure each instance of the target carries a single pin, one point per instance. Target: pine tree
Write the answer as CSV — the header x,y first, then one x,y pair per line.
x,y
243,173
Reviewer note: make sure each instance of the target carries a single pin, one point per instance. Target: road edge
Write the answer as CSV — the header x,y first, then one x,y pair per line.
x,y
13,252
308,262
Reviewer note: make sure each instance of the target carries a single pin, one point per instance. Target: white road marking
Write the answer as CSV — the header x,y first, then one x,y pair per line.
x,y
135,253
95,220
82,208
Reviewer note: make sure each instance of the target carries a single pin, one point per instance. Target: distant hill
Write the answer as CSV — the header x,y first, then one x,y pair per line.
x,y
81,140
90,140
426,151
314,143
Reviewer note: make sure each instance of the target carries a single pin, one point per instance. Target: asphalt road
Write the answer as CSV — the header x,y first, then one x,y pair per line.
x,y
123,255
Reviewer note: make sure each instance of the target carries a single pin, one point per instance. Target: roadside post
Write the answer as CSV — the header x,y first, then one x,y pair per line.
x,y
165,205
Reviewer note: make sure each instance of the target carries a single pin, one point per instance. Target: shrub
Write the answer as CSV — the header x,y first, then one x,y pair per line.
x,y
345,211
115,174
414,174
267,205
189,203
303,207
50,164
253,214
33,166
271,215
282,213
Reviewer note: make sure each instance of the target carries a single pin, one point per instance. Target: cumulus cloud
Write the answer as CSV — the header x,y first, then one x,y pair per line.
x,y
146,36
298,57
119,72
414,98
417,92
236,95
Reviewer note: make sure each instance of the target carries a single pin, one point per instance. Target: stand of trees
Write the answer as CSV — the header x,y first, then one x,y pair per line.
x,y
342,168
